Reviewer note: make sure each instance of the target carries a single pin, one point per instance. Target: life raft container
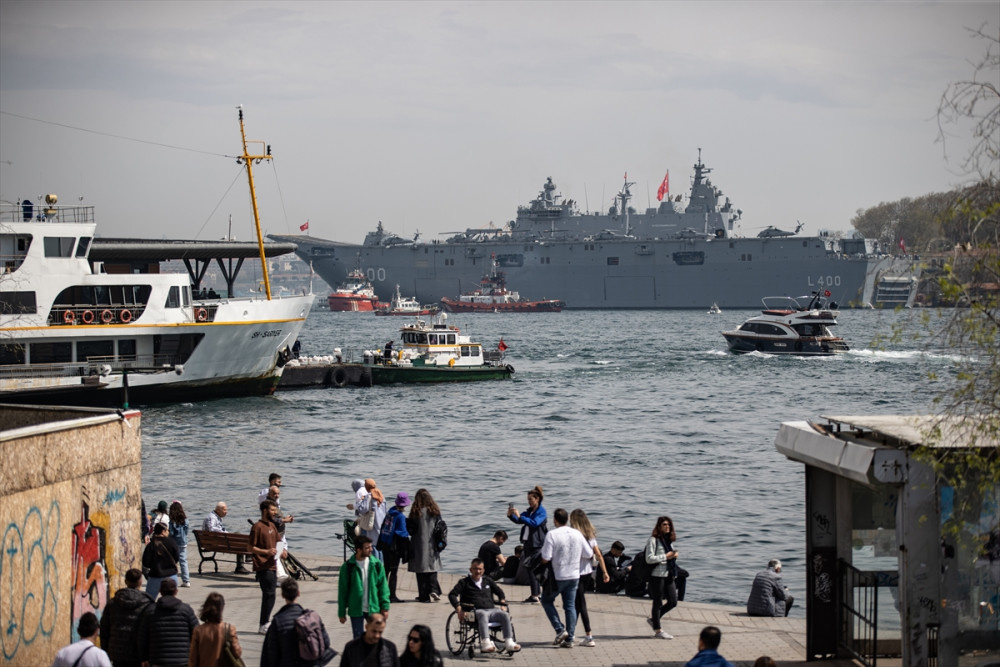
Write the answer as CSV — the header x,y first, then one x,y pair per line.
x,y
107,316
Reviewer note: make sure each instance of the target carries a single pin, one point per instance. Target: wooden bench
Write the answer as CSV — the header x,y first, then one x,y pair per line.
x,y
210,544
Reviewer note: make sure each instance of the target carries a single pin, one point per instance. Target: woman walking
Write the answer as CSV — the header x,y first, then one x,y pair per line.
x,y
420,651
208,640
425,557
178,530
159,559
578,519
533,531
395,541
660,551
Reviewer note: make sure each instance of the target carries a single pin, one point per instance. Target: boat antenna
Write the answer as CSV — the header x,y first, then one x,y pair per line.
x,y
249,160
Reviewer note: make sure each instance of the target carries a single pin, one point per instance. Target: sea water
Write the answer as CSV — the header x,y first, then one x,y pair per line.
x,y
627,414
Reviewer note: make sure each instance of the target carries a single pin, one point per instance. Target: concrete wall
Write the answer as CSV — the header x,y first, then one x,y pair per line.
x,y
70,508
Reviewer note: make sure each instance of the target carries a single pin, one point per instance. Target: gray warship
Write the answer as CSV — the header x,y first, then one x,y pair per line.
x,y
679,254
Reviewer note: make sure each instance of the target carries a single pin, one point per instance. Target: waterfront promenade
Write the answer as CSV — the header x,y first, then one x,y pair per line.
x,y
620,631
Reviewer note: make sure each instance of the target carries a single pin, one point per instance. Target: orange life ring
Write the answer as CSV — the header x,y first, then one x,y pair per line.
x,y
69,317
107,316
87,317
125,316
201,314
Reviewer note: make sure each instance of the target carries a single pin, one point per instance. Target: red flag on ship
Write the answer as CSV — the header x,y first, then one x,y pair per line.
x,y
902,245
304,226
502,346
664,188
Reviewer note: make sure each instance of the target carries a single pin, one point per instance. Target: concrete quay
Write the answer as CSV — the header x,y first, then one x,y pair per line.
x,y
619,623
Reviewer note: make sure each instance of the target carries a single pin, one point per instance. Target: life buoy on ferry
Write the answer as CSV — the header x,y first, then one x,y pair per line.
x,y
125,316
107,316
201,314
69,317
339,378
87,317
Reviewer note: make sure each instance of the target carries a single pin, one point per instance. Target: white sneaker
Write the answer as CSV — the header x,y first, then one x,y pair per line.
x,y
663,635
262,630
186,584
488,647
559,638
511,647
588,641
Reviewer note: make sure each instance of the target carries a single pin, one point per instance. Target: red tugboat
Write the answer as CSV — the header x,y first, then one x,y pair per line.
x,y
494,297
354,294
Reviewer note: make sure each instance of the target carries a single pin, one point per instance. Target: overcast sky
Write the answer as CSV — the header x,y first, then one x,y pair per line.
x,y
441,116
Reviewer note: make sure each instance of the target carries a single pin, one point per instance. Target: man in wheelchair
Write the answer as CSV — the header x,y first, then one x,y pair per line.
x,y
474,593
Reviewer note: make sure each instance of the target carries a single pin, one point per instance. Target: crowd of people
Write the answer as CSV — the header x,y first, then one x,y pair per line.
x,y
151,625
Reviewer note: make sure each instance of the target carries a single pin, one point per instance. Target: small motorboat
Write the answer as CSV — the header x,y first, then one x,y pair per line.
x,y
406,306
785,326
714,309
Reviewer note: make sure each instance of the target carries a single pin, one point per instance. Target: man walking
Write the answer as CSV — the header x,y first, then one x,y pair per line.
x,y
213,524
476,592
281,645
83,653
120,621
768,597
708,654
263,544
564,547
165,632
362,589
359,652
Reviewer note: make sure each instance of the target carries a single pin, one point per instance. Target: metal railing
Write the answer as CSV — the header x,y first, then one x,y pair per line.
x,y
859,613
41,212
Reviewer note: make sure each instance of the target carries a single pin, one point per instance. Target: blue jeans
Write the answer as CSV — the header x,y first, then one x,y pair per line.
x,y
153,585
183,562
358,625
567,589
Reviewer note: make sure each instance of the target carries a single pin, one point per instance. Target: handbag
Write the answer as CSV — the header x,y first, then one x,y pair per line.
x,y
229,656
366,521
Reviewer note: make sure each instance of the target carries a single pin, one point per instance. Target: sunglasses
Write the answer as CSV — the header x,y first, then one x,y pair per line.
x,y
413,639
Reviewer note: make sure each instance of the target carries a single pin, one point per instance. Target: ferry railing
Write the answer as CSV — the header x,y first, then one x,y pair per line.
x,y
11,212
145,363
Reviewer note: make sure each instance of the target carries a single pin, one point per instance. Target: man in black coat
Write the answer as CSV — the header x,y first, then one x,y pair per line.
x,y
120,621
281,644
358,652
165,629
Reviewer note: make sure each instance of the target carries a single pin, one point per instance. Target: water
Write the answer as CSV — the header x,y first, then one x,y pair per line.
x,y
628,415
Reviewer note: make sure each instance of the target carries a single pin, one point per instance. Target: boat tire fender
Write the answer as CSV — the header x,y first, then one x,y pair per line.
x,y
283,356
87,317
125,316
339,378
107,316
69,317
510,369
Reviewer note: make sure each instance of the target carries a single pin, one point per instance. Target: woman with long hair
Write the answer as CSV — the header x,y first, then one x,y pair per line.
x,y
420,651
660,551
425,557
533,531
178,529
578,519
159,559
209,639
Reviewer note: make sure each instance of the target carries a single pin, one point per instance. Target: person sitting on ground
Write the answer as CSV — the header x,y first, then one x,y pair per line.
x,y
708,654
490,554
768,597
281,644
85,652
618,566
511,565
358,652
475,592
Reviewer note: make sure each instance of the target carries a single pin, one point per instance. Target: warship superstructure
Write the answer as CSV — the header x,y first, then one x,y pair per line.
x,y
679,254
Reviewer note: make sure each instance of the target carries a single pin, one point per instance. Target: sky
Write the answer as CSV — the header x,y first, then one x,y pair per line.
x,y
433,117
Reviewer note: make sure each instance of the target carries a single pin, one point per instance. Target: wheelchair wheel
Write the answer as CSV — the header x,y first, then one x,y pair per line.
x,y
456,634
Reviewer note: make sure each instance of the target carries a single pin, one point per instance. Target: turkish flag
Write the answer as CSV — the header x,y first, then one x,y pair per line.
x,y
902,245
502,346
304,226
664,188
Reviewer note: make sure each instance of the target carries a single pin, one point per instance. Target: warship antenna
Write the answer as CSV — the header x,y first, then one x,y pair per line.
x,y
249,160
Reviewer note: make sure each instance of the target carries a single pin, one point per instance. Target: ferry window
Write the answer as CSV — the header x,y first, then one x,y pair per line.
x,y
474,352
465,350
51,353
18,303
94,348
432,339
81,249
186,294
612,261
126,348
422,338
451,339
11,353
59,246
173,298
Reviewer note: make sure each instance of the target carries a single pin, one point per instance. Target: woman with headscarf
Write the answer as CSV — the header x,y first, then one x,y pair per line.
x,y
533,531
372,506
425,556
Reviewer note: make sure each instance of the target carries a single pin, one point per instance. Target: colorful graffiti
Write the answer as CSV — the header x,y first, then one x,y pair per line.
x,y
90,571
29,575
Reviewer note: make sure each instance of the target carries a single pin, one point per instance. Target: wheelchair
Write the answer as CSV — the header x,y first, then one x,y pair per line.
x,y
464,635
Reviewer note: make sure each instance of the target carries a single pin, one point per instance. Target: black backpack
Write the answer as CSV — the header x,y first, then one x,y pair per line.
x,y
439,535
637,581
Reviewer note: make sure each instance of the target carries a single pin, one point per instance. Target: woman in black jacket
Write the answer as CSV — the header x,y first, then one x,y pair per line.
x,y
159,559
420,651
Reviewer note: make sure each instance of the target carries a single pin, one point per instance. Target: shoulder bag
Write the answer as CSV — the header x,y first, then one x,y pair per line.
x,y
229,656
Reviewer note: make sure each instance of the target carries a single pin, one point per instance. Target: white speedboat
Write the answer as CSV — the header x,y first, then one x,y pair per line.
x,y
714,309
785,326
74,332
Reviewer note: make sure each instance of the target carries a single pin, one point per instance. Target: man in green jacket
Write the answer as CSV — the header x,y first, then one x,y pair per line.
x,y
363,588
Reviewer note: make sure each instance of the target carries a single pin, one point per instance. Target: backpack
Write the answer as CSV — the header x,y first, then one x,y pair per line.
x,y
439,535
309,628
385,534
638,577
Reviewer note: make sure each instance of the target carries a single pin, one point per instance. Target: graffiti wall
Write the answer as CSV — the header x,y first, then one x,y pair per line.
x,y
66,543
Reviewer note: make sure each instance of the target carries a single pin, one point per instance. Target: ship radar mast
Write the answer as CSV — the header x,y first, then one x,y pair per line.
x,y
623,198
249,161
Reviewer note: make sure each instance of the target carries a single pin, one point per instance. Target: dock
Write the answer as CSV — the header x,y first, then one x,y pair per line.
x,y
325,374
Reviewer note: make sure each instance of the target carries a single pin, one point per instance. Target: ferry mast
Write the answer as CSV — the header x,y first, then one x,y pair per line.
x,y
248,160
